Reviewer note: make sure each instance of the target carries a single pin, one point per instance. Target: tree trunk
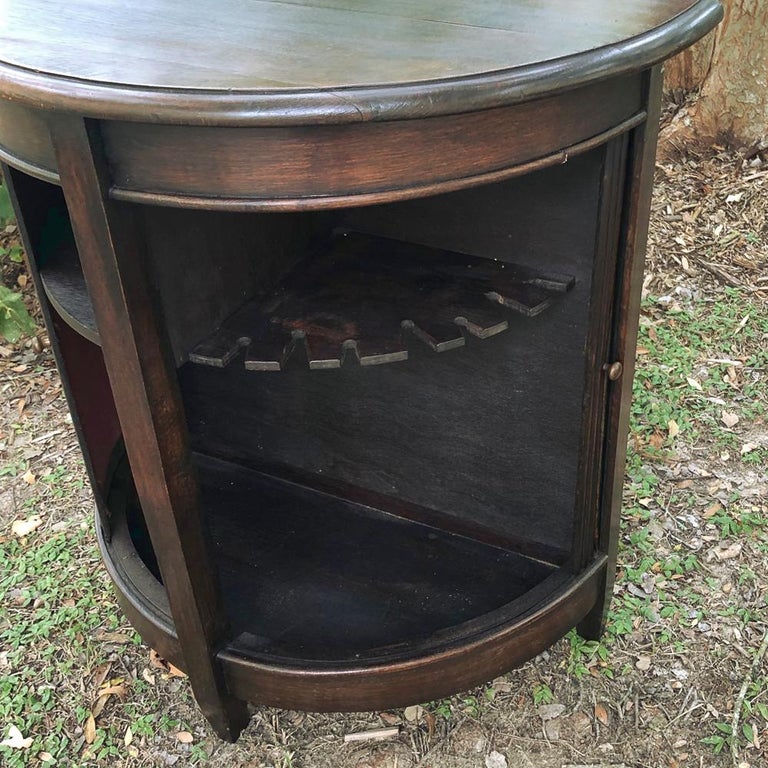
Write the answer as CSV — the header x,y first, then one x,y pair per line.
x,y
730,69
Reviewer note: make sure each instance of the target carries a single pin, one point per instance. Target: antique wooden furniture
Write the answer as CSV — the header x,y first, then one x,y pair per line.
x,y
344,295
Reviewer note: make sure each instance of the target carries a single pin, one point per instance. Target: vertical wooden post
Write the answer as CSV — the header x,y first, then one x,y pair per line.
x,y
607,236
631,264
146,393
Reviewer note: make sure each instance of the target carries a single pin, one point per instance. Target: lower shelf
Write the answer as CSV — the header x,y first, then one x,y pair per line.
x,y
334,605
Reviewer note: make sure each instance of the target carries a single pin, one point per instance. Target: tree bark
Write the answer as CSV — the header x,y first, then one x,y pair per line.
x,y
730,70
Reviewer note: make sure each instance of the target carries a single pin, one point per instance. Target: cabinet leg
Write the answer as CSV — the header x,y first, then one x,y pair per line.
x,y
592,626
151,414
229,720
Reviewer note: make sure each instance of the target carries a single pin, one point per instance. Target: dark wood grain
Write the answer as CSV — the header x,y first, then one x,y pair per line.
x,y
25,140
468,657
142,379
274,63
630,264
310,576
471,432
318,162
204,267
589,500
64,284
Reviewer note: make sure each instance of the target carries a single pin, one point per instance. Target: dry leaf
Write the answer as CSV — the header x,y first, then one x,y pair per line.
x,y
673,429
90,729
118,638
728,552
45,757
16,739
29,477
113,690
550,711
729,418
431,721
552,730
389,718
148,676
643,663
601,714
23,528
748,448
185,737
128,738
98,706
693,383
412,714
656,440
175,671
712,510
100,674
377,734
156,660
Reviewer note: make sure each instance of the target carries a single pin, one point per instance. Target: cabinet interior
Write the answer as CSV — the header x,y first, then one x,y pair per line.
x,y
396,500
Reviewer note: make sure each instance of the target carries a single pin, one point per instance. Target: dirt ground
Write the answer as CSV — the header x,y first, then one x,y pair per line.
x,y
682,668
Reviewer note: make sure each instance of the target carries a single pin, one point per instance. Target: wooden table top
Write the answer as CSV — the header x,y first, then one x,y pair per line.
x,y
285,60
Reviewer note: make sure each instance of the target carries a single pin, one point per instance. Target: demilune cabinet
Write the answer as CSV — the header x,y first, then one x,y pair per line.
x,y
347,330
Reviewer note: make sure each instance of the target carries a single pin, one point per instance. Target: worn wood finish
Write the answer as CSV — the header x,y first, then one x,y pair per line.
x,y
598,348
464,661
64,285
296,565
291,163
25,140
630,263
279,63
146,396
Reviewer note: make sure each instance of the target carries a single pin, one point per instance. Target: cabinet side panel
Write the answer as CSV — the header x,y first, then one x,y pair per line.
x,y
42,217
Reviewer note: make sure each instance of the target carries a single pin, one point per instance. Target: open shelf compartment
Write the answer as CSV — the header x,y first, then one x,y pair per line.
x,y
319,585
307,577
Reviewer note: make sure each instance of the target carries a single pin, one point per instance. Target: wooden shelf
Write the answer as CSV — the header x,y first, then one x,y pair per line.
x,y
64,284
364,295
318,587
309,576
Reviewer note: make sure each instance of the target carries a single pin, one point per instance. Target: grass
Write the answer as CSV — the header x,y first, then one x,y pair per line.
x,y
49,600
700,363
698,360
56,609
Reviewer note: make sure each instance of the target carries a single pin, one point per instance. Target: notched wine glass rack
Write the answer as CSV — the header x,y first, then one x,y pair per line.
x,y
365,295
